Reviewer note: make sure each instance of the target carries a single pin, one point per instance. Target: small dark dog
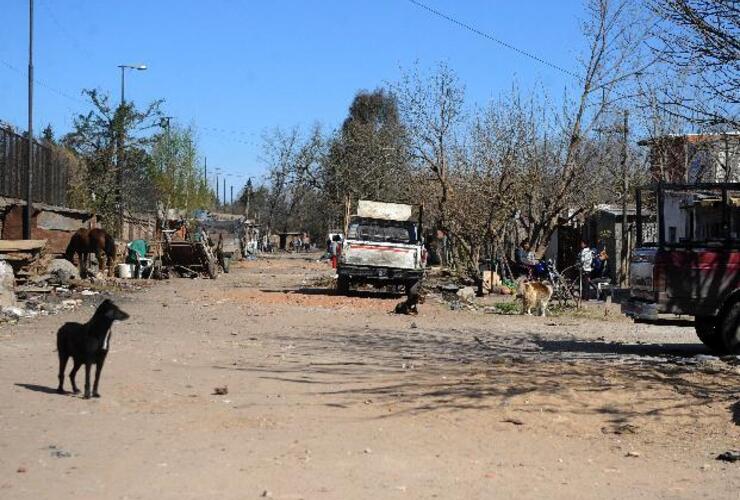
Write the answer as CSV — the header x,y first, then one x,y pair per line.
x,y
413,298
87,344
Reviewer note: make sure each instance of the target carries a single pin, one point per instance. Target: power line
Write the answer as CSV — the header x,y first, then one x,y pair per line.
x,y
79,46
42,84
220,134
494,39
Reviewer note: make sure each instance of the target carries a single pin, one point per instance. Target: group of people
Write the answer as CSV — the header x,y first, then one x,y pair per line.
x,y
593,262
301,243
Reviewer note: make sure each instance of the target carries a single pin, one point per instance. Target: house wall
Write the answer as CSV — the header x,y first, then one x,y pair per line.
x,y
56,225
674,219
695,158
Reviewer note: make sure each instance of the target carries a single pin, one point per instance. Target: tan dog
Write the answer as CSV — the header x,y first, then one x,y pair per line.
x,y
534,294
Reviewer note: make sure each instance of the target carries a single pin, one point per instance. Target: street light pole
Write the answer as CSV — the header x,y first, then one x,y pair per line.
x,y
29,168
120,145
124,67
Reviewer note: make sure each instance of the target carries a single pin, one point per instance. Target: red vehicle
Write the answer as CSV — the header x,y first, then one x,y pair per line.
x,y
693,267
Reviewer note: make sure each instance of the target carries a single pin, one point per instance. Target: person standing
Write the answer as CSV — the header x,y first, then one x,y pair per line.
x,y
586,261
335,250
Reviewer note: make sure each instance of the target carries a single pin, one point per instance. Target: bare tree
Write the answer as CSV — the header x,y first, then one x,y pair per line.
x,y
294,163
432,109
565,171
701,38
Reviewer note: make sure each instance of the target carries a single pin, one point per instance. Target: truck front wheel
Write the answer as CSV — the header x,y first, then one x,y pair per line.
x,y
343,283
708,333
729,328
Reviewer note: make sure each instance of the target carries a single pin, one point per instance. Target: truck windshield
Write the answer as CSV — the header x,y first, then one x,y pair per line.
x,y
382,231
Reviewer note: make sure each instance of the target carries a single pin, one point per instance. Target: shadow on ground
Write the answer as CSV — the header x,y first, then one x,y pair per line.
x,y
417,372
39,388
331,292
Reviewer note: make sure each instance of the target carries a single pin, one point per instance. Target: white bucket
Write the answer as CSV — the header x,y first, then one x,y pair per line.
x,y
125,270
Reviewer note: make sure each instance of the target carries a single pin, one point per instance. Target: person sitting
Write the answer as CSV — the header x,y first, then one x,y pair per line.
x,y
524,259
600,265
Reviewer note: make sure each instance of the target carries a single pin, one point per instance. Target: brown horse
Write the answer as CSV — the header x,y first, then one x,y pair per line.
x,y
87,241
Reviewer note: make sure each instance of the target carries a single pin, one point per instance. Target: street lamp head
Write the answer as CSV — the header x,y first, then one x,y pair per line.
x,y
139,67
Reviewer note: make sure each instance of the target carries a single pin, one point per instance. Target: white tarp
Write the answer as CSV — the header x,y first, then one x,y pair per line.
x,y
384,211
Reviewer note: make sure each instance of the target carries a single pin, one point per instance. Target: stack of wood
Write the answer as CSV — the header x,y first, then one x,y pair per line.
x,y
26,257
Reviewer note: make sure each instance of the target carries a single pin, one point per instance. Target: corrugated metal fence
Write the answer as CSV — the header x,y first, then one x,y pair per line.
x,y
50,173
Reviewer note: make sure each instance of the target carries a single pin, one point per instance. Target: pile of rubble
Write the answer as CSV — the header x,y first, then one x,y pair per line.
x,y
25,257
462,293
59,288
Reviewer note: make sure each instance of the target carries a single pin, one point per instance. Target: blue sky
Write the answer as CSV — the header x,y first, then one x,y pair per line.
x,y
235,68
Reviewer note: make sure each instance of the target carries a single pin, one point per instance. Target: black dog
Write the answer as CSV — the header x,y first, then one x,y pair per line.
x,y
413,298
87,344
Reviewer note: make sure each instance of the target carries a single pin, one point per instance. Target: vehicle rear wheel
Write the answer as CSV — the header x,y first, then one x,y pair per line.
x,y
729,328
708,333
343,283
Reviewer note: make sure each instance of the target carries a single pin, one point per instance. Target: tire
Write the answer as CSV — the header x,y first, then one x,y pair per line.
x,y
708,333
226,264
343,284
729,328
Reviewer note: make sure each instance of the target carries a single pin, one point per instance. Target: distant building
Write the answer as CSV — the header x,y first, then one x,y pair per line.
x,y
695,158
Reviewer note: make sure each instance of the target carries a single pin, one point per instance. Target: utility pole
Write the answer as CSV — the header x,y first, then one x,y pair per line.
x,y
249,196
224,189
29,168
624,250
232,198
205,170
217,201
121,153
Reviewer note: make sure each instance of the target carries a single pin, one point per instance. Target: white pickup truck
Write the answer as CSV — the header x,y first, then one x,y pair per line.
x,y
383,247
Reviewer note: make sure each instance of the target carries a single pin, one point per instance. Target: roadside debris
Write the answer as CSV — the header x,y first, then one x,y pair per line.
x,y
62,272
620,429
58,452
466,294
729,456
512,420
7,285
221,391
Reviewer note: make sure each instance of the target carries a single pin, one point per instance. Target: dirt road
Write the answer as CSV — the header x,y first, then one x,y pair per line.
x,y
332,397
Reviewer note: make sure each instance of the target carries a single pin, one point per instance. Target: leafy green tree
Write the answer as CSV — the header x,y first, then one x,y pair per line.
x,y
368,155
175,172
113,142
